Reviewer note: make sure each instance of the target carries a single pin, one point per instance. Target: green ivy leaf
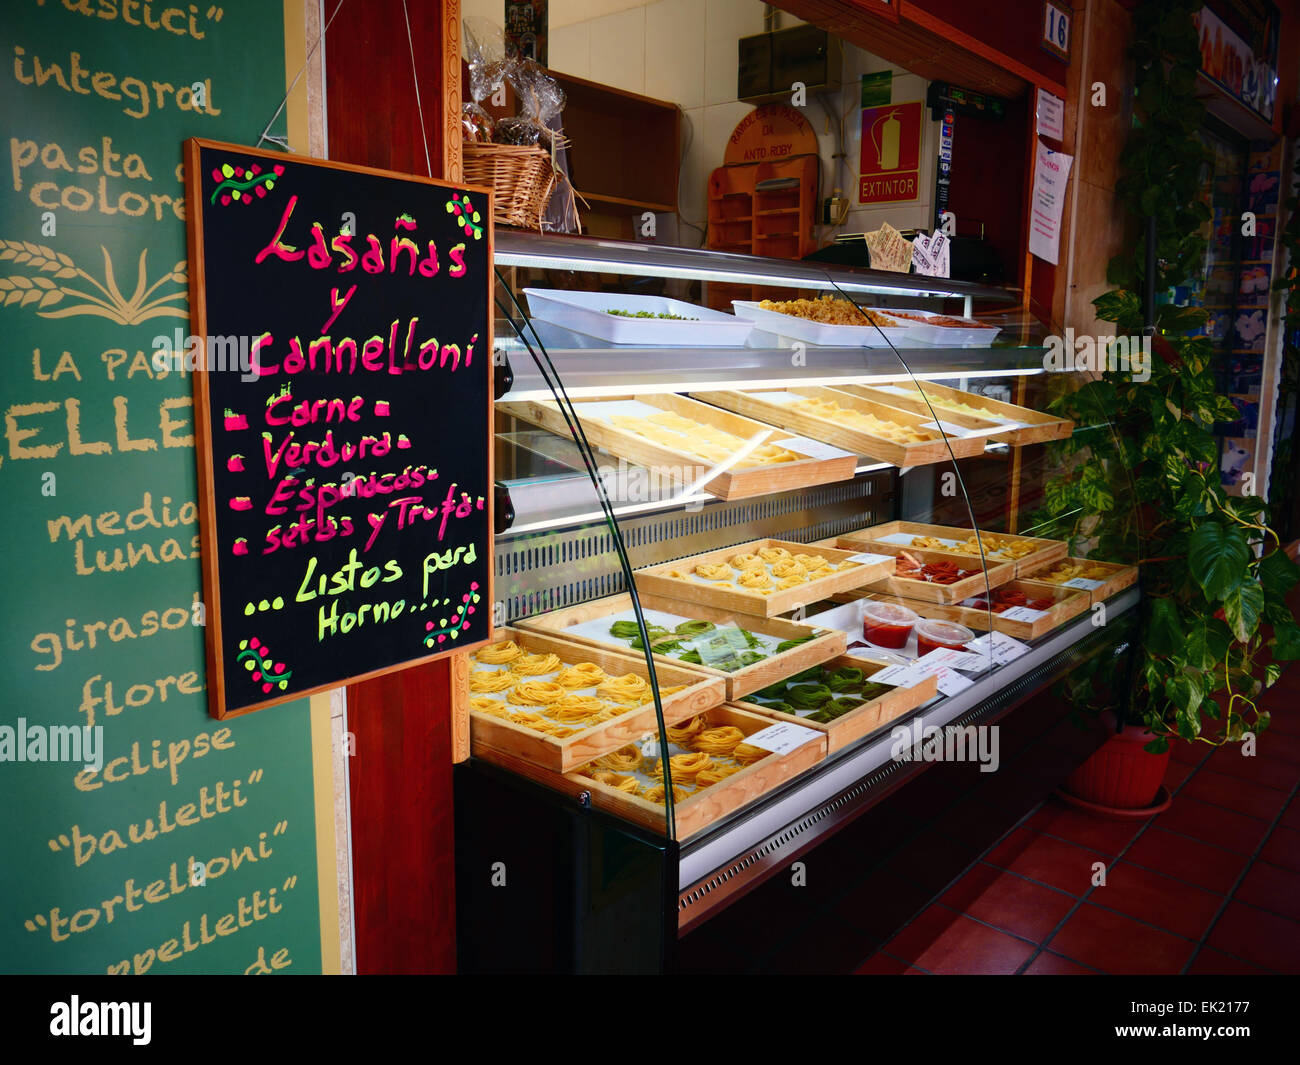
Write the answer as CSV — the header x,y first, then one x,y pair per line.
x,y
1285,644
1207,643
1242,607
1217,557
1271,672
1277,573
1183,691
1165,630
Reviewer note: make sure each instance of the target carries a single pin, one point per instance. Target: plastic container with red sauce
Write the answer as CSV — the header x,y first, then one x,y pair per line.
x,y
932,635
887,624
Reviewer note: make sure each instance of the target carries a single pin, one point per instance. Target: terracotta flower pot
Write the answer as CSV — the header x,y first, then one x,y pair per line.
x,y
1120,773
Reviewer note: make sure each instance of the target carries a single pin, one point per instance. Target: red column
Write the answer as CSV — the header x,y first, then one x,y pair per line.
x,y
403,890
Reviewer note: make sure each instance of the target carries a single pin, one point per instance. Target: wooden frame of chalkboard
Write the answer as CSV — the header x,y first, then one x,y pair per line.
x,y
349,533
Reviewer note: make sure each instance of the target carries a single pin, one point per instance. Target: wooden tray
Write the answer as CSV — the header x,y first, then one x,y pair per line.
x,y
1038,426
699,809
684,468
560,755
655,580
756,405
1117,577
1044,550
825,644
998,574
869,717
1070,603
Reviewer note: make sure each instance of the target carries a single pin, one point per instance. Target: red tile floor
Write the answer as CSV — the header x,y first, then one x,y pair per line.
x,y
1211,886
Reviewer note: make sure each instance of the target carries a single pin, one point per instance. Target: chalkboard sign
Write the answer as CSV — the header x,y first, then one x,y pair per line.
x,y
343,407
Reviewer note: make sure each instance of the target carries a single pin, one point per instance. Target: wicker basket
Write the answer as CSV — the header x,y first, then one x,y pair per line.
x,y
521,179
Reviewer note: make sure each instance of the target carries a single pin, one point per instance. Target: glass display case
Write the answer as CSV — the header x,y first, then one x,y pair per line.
x,y
750,564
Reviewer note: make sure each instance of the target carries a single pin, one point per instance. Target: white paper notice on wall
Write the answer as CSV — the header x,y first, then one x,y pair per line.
x,y
1051,172
1051,115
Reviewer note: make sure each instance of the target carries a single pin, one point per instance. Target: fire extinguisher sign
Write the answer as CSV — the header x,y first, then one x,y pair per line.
x,y
890,170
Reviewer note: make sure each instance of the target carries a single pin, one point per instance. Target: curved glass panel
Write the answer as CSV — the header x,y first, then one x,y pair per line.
x,y
790,520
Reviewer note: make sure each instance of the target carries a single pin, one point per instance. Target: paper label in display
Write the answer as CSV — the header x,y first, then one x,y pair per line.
x,y
1082,582
812,448
950,658
867,558
1022,613
782,738
1003,648
951,682
901,676
948,429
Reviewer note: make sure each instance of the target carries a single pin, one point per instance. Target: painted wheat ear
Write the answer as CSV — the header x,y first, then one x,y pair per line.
x,y
106,302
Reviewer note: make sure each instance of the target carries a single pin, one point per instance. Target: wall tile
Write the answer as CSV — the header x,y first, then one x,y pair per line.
x,y
618,50
674,52
725,22
569,49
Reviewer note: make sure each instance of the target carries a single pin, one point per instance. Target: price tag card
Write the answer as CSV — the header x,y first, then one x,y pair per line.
x,y
867,558
1001,646
949,658
901,676
1022,613
782,738
812,448
950,681
1082,582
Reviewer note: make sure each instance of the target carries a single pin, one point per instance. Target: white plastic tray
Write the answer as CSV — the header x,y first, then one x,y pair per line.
x,y
949,336
587,313
839,336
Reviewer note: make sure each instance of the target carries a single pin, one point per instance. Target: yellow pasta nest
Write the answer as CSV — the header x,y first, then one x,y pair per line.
x,y
773,554
683,733
655,793
535,665
713,571
499,653
720,740
745,561
786,583
625,759
714,774
539,724
537,693
485,704
684,766
617,780
748,754
629,688
754,578
812,563
789,567
575,709
490,680
582,675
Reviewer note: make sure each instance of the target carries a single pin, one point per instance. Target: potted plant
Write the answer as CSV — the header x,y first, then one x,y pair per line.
x,y
1148,488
